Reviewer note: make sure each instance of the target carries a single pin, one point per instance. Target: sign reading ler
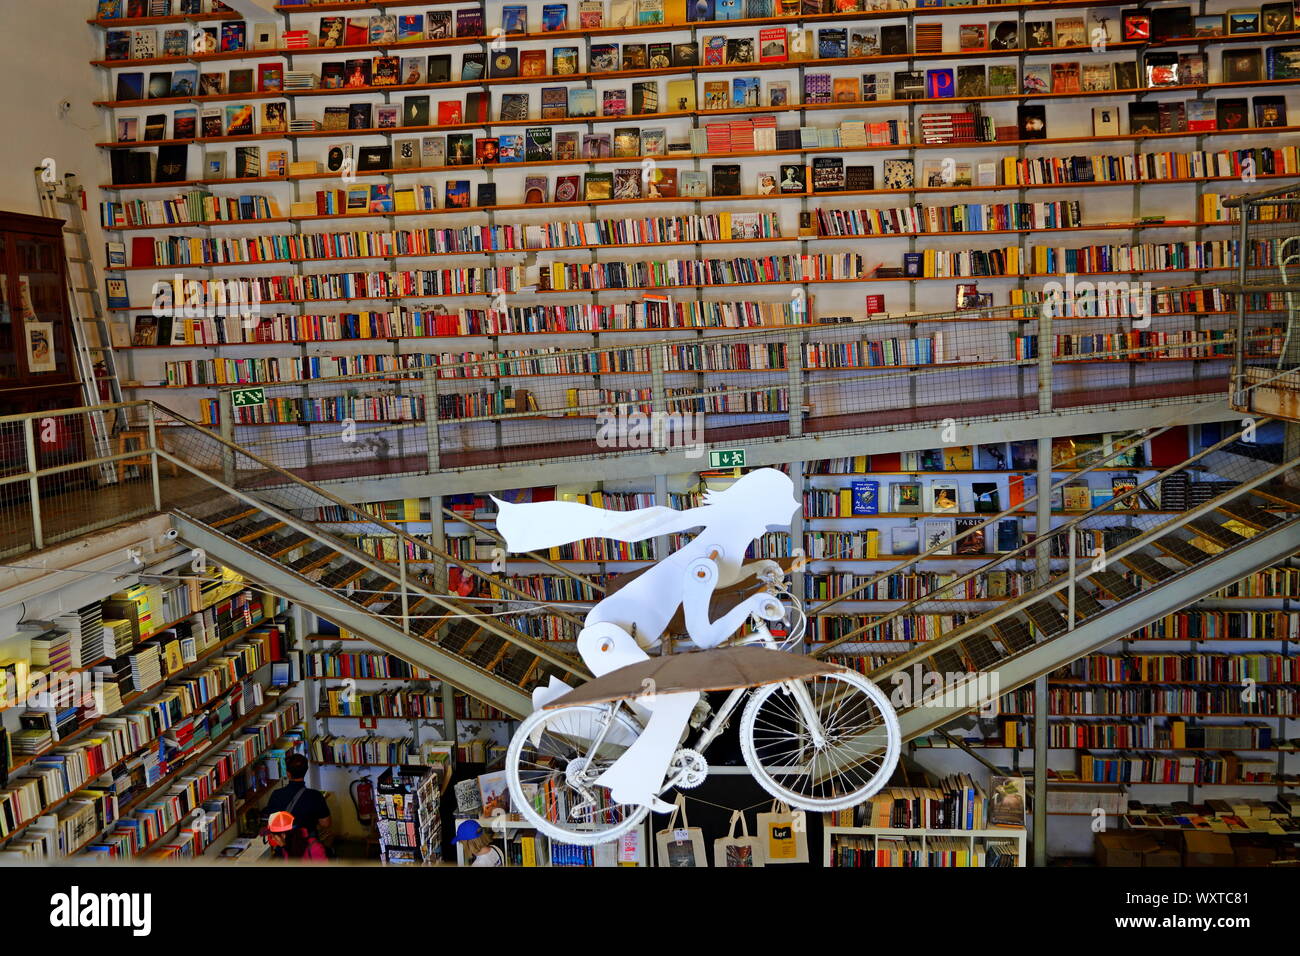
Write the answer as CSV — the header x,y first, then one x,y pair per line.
x,y
731,458
247,397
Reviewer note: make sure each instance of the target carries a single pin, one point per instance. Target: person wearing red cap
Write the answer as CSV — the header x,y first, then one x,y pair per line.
x,y
291,842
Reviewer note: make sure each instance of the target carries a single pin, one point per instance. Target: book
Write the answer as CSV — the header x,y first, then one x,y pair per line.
x,y
865,497
905,497
905,541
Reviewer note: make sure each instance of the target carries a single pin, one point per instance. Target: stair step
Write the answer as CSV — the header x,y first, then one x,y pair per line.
x,y
981,653
1013,633
460,637
946,661
312,560
1180,549
278,547
1284,495
228,515
1147,567
487,651
343,575
1213,531
1116,585
1242,510
1085,605
255,529
1047,619
518,666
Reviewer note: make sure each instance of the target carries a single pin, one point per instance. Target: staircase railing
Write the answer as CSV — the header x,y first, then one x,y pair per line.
x,y
277,492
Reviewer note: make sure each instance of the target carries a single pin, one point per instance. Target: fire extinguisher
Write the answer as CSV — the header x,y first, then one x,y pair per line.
x,y
363,799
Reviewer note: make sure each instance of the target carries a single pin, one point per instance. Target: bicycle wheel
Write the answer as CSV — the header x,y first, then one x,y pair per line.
x,y
848,758
551,767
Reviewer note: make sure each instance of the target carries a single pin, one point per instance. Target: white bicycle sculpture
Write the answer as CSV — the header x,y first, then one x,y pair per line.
x,y
814,735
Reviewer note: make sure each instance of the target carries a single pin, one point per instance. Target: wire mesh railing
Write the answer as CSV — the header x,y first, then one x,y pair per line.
x,y
1112,344
952,630
1268,220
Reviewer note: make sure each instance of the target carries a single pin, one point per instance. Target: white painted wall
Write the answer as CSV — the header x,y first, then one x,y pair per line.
x,y
47,53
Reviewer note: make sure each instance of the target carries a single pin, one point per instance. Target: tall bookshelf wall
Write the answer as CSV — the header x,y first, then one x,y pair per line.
x,y
149,723
1162,208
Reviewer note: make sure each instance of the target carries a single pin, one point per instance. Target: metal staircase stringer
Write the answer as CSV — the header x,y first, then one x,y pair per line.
x,y
383,635
1187,587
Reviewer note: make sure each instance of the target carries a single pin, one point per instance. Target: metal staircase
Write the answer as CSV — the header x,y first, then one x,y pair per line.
x,y
1149,566
249,515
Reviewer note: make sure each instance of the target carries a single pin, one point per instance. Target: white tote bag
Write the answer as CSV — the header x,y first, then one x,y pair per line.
x,y
738,851
784,835
681,845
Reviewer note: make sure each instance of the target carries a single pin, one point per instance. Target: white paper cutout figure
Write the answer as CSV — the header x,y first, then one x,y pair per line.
x,y
622,625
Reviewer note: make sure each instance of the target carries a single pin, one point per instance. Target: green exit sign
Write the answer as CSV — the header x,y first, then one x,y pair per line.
x,y
247,397
731,458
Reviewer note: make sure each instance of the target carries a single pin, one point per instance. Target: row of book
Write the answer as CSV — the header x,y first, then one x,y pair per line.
x,y
1201,768
1150,733
849,851
565,276
1179,668
384,244
1157,701
192,206
955,802
402,322
1147,346
360,665
1214,625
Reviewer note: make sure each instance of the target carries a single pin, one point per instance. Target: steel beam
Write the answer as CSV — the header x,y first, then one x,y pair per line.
x,y
627,464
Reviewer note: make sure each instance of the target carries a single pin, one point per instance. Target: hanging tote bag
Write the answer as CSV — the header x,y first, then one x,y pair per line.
x,y
681,846
784,835
738,851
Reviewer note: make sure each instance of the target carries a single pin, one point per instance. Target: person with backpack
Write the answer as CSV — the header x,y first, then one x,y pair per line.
x,y
307,806
291,842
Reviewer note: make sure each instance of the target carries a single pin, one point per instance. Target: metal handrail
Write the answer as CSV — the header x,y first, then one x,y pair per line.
x,y
388,527
305,527
982,622
1023,552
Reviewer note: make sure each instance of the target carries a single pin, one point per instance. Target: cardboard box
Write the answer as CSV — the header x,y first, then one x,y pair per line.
x,y
1207,849
1123,849
1251,855
1164,854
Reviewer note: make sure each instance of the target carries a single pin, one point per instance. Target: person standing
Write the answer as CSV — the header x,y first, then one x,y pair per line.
x,y
307,806
479,848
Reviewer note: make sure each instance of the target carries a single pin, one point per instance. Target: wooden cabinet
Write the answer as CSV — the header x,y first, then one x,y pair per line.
x,y
37,370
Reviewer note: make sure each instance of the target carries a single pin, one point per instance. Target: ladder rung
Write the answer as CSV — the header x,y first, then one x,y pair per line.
x,y
75,232
86,289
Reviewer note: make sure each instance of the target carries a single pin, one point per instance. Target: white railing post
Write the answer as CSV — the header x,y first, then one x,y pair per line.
x,y
153,456
33,484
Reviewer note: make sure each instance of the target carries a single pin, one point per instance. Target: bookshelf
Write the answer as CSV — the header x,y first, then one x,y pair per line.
x,y
883,847
522,845
1111,205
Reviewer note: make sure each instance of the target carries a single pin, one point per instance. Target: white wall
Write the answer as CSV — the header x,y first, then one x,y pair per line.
x,y
48,48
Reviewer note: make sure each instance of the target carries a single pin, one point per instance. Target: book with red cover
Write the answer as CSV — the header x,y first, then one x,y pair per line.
x,y
889,461
1169,447
142,251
